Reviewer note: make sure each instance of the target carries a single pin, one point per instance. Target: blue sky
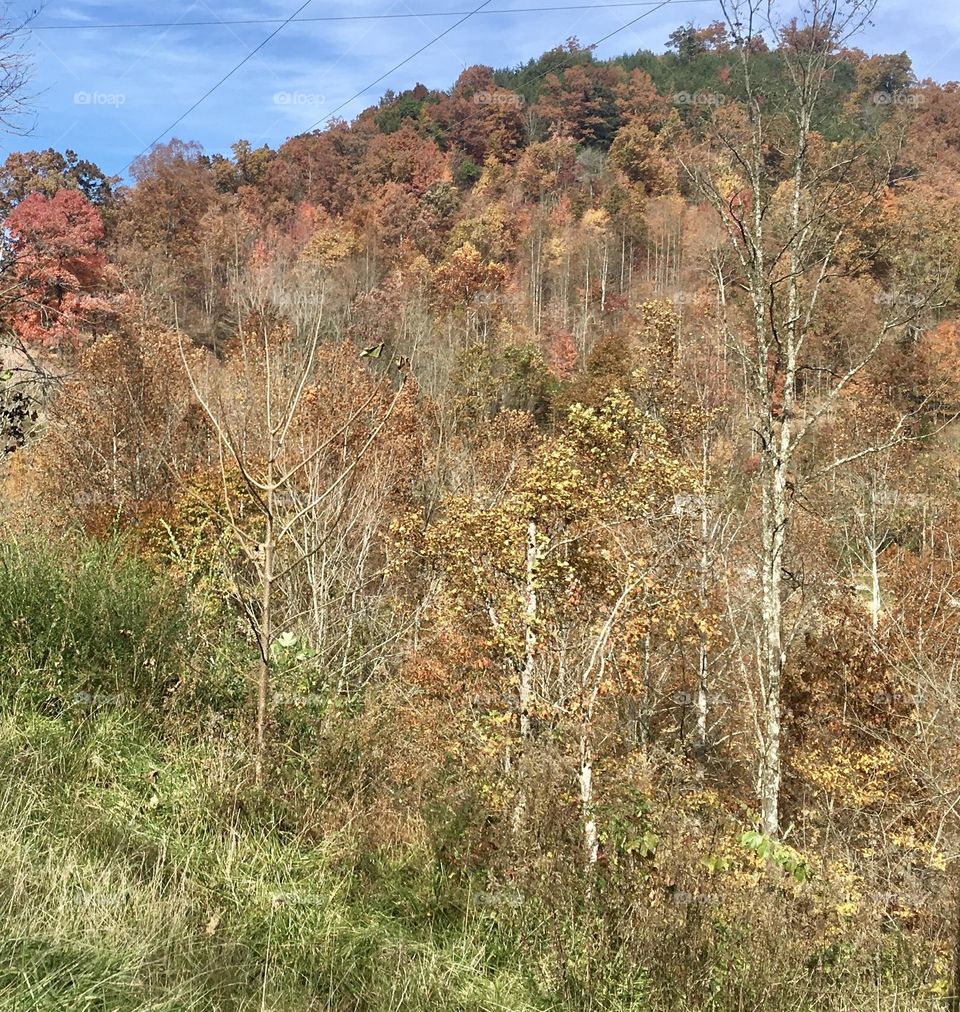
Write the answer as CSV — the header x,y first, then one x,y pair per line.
x,y
107,93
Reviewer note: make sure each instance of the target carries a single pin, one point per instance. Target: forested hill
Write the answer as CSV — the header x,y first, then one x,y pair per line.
x,y
497,552
423,172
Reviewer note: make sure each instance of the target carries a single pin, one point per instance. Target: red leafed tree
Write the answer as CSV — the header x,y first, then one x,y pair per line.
x,y
479,118
57,266
401,157
562,355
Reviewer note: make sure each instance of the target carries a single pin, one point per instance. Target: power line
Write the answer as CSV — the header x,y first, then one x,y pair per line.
x,y
600,42
346,17
402,63
552,70
466,16
226,77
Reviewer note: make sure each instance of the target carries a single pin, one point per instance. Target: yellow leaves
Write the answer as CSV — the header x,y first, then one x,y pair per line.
x,y
728,184
595,220
600,492
464,275
488,234
555,250
331,243
921,851
861,779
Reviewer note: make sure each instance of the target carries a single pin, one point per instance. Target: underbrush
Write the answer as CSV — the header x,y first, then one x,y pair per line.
x,y
128,883
142,868
88,622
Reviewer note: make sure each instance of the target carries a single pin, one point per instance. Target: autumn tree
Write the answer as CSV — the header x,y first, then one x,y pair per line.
x,y
296,466
467,285
639,155
46,172
479,119
161,241
800,226
569,564
580,103
119,435
638,100
404,158
58,267
248,167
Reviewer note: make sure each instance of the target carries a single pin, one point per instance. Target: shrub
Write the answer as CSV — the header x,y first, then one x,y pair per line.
x,y
88,624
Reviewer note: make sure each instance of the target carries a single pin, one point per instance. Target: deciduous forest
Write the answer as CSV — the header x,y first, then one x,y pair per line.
x,y
495,553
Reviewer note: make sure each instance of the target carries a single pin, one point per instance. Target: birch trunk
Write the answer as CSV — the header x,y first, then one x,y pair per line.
x,y
525,682
265,636
525,687
591,838
774,521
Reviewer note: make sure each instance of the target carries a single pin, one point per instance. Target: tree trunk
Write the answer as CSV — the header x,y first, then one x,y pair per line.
x,y
266,642
591,839
525,683
774,523
953,998
703,660
525,687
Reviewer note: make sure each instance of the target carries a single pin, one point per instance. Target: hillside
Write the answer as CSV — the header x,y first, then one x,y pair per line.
x,y
494,553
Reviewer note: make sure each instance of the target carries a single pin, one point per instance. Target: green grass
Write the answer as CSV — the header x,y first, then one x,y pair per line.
x,y
126,888
139,874
82,627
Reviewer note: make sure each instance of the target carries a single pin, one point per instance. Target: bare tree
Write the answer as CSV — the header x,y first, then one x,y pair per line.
x,y
292,472
16,70
794,226
19,371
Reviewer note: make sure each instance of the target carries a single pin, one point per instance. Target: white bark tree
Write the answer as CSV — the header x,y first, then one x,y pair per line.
x,y
793,228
